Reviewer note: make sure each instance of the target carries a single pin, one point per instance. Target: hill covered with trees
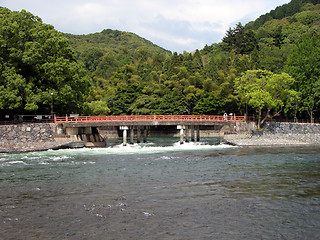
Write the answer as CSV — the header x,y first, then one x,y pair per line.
x,y
126,74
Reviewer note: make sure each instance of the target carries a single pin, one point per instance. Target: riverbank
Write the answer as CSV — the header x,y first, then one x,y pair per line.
x,y
42,137
32,138
278,134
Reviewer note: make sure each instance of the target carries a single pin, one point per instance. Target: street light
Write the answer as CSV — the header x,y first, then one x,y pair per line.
x,y
246,107
51,104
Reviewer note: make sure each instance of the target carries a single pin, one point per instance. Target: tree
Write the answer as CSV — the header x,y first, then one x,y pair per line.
x,y
265,91
91,57
209,103
240,40
304,65
98,108
36,61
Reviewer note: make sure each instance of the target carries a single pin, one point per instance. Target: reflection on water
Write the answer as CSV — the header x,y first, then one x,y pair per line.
x,y
161,190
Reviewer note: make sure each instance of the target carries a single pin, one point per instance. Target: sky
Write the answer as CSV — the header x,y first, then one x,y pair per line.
x,y
176,25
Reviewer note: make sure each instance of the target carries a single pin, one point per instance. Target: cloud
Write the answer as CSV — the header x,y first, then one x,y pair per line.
x,y
176,25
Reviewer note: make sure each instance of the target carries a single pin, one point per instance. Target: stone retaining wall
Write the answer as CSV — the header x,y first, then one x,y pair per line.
x,y
290,128
295,132
29,137
24,133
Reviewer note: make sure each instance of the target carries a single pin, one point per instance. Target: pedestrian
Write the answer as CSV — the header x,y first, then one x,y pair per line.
x,y
225,116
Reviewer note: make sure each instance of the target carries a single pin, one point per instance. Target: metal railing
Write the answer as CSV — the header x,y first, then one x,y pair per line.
x,y
159,118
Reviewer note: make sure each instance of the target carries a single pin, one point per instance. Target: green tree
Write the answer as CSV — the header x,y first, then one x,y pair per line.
x,y
304,65
36,61
209,103
98,108
91,58
240,40
265,91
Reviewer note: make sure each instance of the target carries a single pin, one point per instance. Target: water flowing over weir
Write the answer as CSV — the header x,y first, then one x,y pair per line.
x,y
161,190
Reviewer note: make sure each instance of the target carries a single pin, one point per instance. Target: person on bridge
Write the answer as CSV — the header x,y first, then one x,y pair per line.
x,y
225,115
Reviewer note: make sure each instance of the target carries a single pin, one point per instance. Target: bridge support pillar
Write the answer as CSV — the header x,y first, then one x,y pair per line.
x,y
131,135
181,128
138,134
198,133
187,133
145,133
125,129
192,133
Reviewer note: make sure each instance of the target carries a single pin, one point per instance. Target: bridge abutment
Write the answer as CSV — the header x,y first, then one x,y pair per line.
x,y
88,135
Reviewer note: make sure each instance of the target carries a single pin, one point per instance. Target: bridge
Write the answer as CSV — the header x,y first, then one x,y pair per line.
x,y
149,118
77,125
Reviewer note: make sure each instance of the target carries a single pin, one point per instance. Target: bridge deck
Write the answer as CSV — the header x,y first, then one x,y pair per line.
x,y
150,118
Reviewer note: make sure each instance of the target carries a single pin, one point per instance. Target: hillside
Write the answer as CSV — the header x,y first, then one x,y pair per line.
x,y
286,10
277,37
113,41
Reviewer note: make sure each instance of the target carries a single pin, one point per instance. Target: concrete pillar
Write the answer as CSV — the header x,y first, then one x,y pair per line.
x,y
181,135
125,129
59,129
131,135
87,130
181,128
125,137
145,133
198,134
192,133
187,133
138,135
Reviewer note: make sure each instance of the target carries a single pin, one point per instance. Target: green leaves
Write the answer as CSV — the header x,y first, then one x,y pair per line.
x,y
240,40
98,108
265,90
37,60
304,65
11,88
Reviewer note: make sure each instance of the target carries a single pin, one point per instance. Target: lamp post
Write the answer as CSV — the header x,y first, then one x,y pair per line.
x,y
51,104
246,107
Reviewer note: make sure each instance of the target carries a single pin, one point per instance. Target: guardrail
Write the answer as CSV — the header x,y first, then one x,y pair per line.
x,y
159,118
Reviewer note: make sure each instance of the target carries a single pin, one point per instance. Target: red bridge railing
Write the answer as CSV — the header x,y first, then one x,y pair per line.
x,y
159,118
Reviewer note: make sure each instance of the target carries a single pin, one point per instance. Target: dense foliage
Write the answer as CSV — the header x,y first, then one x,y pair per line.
x,y
286,10
37,64
130,75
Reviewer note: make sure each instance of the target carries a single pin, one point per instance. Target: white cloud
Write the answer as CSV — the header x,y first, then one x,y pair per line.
x,y
176,25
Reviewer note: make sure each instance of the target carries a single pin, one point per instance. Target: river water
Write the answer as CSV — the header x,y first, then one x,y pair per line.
x,y
162,190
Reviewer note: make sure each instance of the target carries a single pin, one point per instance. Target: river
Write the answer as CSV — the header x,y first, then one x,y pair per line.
x,y
162,190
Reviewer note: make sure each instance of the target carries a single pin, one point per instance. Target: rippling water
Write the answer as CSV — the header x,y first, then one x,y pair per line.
x,y
161,190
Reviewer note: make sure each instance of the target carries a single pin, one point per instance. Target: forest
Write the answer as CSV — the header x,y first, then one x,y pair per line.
x,y
268,68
